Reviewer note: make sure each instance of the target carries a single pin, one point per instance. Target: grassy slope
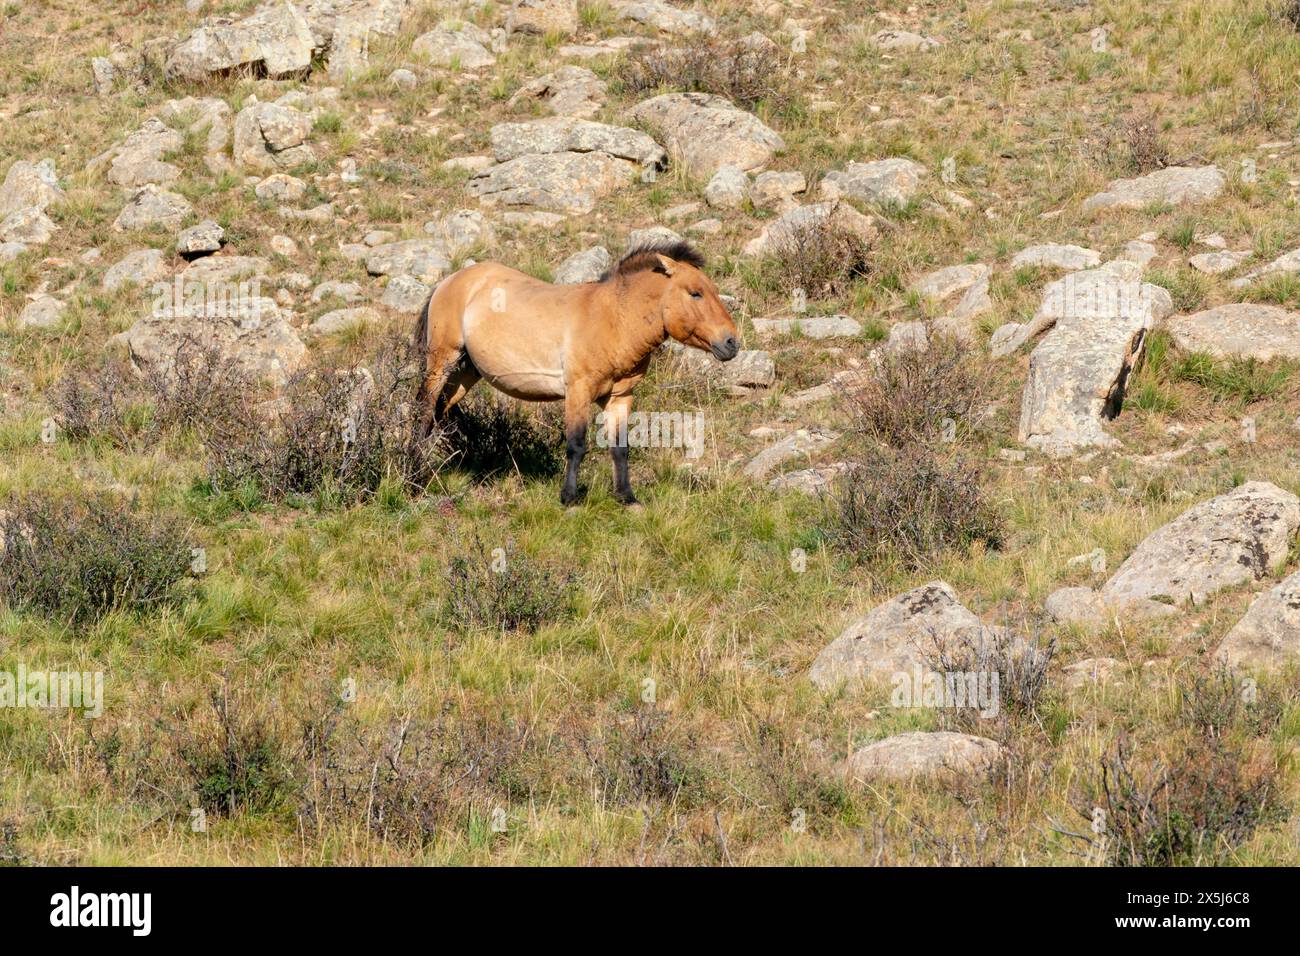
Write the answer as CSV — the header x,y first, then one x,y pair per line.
x,y
697,592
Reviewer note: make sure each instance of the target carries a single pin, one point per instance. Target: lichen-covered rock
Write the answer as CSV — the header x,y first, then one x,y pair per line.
x,y
664,16
142,267
704,132
948,281
1245,330
569,91
276,38
271,136
886,181
815,216
560,134
455,43
557,182
585,266
150,206
937,756
811,326
1056,255
1267,638
1226,541
1174,186
423,258
800,443
405,294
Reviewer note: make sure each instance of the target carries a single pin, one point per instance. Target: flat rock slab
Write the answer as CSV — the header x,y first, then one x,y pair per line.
x,y
1175,186
1268,637
704,132
556,182
903,41
1286,264
934,756
569,91
664,16
1098,319
1245,330
885,181
948,281
422,258
801,443
900,635
1217,263
151,207
564,134
1055,255
1234,539
811,327
276,38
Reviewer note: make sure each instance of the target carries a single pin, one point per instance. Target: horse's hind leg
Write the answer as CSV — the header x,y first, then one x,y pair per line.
x,y
460,380
441,365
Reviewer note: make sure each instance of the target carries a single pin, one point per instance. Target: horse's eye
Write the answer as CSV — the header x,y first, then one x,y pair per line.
x,y
697,295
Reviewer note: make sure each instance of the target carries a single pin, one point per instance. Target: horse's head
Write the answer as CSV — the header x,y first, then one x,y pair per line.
x,y
692,312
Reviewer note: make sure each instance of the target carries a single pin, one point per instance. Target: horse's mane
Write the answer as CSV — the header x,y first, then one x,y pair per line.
x,y
645,256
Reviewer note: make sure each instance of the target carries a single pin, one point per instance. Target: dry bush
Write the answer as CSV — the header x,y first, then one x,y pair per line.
x,y
1021,666
642,758
910,503
503,590
822,258
230,758
1289,12
342,431
77,561
1134,146
745,72
409,781
1197,810
201,387
912,395
487,435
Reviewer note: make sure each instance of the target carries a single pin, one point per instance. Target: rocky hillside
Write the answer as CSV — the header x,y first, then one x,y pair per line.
x,y
983,550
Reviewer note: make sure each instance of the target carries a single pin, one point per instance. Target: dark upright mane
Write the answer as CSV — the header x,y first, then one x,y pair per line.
x,y
646,256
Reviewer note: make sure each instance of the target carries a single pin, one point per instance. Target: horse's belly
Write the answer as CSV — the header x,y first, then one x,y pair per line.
x,y
531,386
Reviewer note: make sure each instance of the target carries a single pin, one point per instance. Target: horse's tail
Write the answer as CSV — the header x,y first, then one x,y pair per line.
x,y
421,338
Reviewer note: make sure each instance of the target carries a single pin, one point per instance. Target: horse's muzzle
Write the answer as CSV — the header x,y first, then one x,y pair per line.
x,y
725,349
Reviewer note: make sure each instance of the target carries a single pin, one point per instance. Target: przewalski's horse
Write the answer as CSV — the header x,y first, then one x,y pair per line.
x,y
579,343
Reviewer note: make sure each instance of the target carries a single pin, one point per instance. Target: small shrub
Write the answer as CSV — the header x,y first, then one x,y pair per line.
x,y
79,560
1021,666
822,258
745,72
639,759
232,760
1289,12
337,431
910,503
1133,146
1198,809
102,401
1245,380
503,589
912,395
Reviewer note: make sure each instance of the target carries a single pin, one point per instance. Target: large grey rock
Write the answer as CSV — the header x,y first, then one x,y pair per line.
x,y
150,206
900,635
9,251
776,190
1076,374
889,181
750,369
815,216
1218,262
455,42
569,91
1174,186
42,313
29,186
405,294
937,756
727,188
27,227
354,25
1267,638
948,281
800,443
202,239
1234,539
139,158
251,332
208,116
1244,330
559,182
664,16
704,132
276,39
461,232
340,319
560,134
423,258
269,136
280,187
585,266
143,267
1056,255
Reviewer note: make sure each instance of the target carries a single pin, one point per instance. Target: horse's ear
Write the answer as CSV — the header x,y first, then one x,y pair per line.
x,y
665,265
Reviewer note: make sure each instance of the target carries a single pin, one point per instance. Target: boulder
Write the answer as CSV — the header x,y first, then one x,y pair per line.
x,y
42,313
800,443
569,91
143,267
557,182
1099,320
276,39
944,283
423,258
280,187
585,266
1217,263
29,186
270,136
1267,638
704,132
151,206
886,181
1174,186
1286,264
900,635
455,42
201,240
727,188
1245,330
664,16
934,756
406,294
340,319
750,369
560,134
1234,539
811,326
1055,255
903,41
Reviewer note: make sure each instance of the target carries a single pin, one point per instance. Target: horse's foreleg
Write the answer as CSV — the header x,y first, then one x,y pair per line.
x,y
617,409
577,411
